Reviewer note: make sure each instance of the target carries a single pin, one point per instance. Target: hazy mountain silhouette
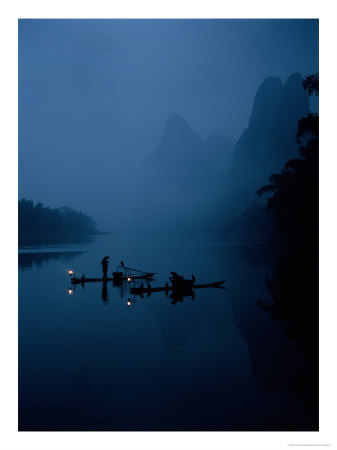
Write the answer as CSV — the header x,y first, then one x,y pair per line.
x,y
188,183
180,156
220,153
270,139
181,176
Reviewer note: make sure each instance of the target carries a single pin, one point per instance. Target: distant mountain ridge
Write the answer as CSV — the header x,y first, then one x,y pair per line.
x,y
270,139
188,182
181,156
180,176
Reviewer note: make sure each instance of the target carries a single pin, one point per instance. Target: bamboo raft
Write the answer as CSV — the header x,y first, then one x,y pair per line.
x,y
89,280
75,280
148,290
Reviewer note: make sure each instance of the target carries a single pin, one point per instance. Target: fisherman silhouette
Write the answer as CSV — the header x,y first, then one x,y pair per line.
x,y
148,285
105,262
141,286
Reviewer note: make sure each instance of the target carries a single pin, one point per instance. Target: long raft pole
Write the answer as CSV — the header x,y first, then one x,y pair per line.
x,y
145,290
135,270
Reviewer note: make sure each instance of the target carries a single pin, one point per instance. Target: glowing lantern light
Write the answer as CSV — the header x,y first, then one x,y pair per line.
x,y
71,272
70,291
129,279
129,302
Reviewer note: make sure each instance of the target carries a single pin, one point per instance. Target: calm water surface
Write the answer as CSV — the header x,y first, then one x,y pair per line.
x,y
88,361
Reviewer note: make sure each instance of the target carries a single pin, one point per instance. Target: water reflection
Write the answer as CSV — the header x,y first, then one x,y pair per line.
x,y
283,340
179,295
28,260
293,284
33,241
104,295
176,295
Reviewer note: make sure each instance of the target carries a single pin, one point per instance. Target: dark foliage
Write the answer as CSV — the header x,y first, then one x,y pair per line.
x,y
294,202
293,285
294,281
311,84
39,220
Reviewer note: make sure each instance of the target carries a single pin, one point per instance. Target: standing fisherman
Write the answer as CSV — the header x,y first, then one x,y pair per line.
x,y
105,262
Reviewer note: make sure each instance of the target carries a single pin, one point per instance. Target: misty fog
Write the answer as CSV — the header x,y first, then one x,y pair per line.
x,y
159,124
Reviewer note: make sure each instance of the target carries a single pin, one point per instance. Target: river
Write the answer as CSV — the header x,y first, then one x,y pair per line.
x,y
93,360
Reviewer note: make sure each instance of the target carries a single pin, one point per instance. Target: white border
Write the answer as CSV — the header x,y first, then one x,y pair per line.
x,y
326,11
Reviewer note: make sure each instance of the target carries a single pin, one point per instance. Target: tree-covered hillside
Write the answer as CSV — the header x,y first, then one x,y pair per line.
x,y
42,221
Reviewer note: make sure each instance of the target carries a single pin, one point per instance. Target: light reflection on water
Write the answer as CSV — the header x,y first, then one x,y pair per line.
x,y
102,359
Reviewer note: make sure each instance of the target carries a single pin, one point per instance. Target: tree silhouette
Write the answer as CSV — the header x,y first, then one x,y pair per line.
x,y
311,84
294,202
39,220
293,283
